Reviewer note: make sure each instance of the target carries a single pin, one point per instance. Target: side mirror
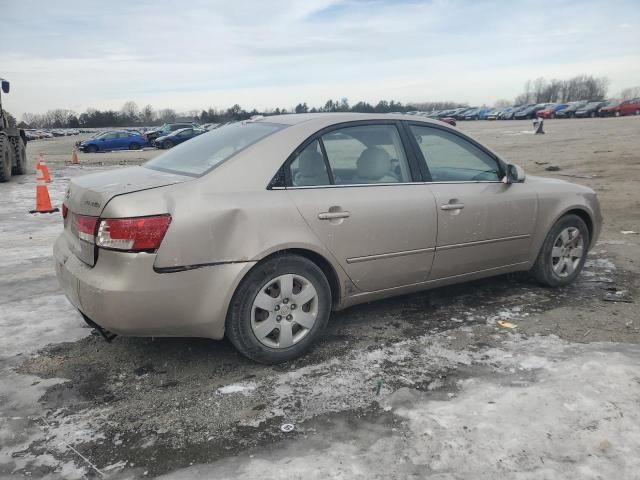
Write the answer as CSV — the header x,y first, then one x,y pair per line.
x,y
5,86
515,174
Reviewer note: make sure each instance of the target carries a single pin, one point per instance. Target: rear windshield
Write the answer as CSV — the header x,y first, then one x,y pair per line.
x,y
204,152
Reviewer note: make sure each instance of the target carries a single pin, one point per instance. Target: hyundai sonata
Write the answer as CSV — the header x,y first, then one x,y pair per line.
x,y
259,229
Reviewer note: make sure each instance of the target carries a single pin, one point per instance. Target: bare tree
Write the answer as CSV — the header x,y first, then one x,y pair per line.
x,y
167,115
147,115
629,93
130,111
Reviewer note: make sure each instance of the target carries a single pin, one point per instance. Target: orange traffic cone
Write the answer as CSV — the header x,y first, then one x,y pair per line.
x,y
43,169
43,202
74,157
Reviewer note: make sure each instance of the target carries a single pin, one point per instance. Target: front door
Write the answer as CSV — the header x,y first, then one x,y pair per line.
x,y
354,188
483,223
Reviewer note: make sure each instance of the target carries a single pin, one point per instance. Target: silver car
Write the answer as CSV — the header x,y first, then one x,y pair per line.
x,y
259,229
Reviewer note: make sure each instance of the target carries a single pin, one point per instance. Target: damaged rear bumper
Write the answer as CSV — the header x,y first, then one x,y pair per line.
x,y
124,295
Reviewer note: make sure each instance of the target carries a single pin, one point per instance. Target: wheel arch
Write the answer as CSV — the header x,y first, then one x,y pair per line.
x,y
319,260
585,216
581,211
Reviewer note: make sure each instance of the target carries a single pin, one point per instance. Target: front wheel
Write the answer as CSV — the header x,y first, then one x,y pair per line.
x,y
167,144
134,146
92,148
279,310
637,112
563,252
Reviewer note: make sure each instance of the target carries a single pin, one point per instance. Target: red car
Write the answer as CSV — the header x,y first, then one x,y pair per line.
x,y
550,111
450,120
628,107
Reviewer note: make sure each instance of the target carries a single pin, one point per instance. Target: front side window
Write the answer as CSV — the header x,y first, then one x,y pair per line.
x,y
451,158
196,157
366,154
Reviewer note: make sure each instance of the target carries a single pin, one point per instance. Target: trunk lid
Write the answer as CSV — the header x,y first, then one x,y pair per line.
x,y
87,195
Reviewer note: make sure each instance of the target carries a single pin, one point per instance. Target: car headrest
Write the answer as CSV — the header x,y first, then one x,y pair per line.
x,y
311,163
373,163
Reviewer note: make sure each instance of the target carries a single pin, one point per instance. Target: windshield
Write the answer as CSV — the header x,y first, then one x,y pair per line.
x,y
204,152
593,104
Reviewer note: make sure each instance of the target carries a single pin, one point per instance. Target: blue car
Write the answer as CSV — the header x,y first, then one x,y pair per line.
x,y
114,140
179,136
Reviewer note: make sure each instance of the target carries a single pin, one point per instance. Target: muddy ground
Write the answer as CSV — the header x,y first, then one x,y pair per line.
x,y
426,385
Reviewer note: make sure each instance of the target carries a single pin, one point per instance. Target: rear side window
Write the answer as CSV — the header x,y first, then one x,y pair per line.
x,y
204,152
309,168
366,154
451,158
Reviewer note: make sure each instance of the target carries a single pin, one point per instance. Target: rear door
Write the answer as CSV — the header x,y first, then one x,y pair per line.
x,y
358,191
483,223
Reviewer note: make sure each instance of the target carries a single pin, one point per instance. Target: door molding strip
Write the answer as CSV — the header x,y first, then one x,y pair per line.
x,y
382,256
482,242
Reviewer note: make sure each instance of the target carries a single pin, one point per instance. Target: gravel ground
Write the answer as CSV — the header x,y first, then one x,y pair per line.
x,y
425,385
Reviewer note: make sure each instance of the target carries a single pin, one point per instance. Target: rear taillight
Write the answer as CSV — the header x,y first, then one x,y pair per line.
x,y
65,211
86,227
133,234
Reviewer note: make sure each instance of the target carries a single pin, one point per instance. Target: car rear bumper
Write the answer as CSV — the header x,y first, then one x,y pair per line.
x,y
123,294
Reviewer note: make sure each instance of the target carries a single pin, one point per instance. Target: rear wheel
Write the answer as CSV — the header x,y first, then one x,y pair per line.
x,y
592,114
20,154
637,112
279,310
5,159
563,252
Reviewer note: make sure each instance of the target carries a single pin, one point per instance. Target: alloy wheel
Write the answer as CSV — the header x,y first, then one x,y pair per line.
x,y
284,311
567,252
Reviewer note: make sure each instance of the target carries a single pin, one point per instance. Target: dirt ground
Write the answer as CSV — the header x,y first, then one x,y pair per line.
x,y
425,385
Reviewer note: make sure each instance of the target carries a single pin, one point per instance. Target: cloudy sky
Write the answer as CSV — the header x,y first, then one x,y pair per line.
x,y
264,53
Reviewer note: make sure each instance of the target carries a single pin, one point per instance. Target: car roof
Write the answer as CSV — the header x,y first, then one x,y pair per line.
x,y
338,117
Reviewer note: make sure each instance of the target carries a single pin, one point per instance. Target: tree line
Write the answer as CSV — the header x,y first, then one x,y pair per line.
x,y
130,115
580,87
540,90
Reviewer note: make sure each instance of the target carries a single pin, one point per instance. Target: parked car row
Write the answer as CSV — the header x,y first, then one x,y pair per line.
x,y
34,134
579,109
166,136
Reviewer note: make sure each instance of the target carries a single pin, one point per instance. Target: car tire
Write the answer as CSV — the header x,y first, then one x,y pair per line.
x,y
637,112
20,153
256,332
559,263
91,149
617,114
167,144
5,159
134,146
592,114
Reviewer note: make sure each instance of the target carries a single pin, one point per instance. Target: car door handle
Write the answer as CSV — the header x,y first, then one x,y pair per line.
x,y
452,206
333,215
